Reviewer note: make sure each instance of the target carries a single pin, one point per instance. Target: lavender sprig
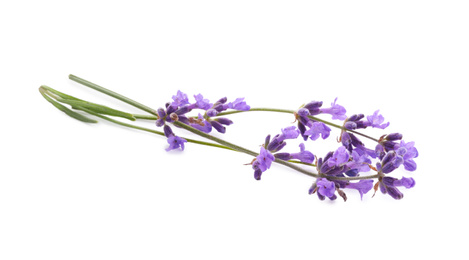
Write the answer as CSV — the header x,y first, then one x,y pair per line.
x,y
336,171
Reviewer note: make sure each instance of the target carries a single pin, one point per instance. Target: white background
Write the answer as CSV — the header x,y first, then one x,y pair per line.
x,y
70,190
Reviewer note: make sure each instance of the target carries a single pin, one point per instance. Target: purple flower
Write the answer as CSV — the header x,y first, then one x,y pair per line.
x,y
363,186
239,104
202,124
175,142
340,156
289,133
262,163
218,126
277,143
387,143
325,188
408,152
318,129
257,170
390,162
180,99
359,161
265,159
313,107
201,103
303,155
376,120
337,111
388,185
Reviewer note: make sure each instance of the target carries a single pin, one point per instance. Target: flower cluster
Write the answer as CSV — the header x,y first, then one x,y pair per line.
x,y
177,111
270,151
337,170
350,159
313,129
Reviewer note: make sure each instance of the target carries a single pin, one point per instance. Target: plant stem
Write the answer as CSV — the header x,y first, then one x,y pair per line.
x,y
113,94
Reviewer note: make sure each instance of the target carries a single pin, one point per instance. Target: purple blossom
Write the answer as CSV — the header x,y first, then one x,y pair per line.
x,y
355,122
388,185
318,129
387,143
257,170
202,124
340,156
403,154
337,111
289,133
180,99
363,186
212,112
359,161
174,141
303,155
201,102
265,159
325,188
408,152
390,162
376,120
277,143
313,107
218,126
239,104
262,162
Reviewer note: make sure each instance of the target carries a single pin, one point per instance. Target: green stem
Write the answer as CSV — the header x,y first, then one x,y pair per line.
x,y
113,94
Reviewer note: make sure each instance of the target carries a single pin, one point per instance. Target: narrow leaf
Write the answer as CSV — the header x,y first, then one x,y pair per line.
x,y
67,111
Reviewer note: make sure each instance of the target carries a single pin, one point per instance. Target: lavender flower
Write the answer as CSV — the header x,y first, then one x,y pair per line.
x,y
201,103
363,186
376,120
239,104
387,143
408,152
221,105
277,143
388,185
289,133
318,129
174,141
304,155
359,161
324,188
180,99
340,156
201,124
262,163
337,111
313,107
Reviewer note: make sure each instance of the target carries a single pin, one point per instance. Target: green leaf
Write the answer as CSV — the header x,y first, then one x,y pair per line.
x,y
77,103
100,109
67,111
